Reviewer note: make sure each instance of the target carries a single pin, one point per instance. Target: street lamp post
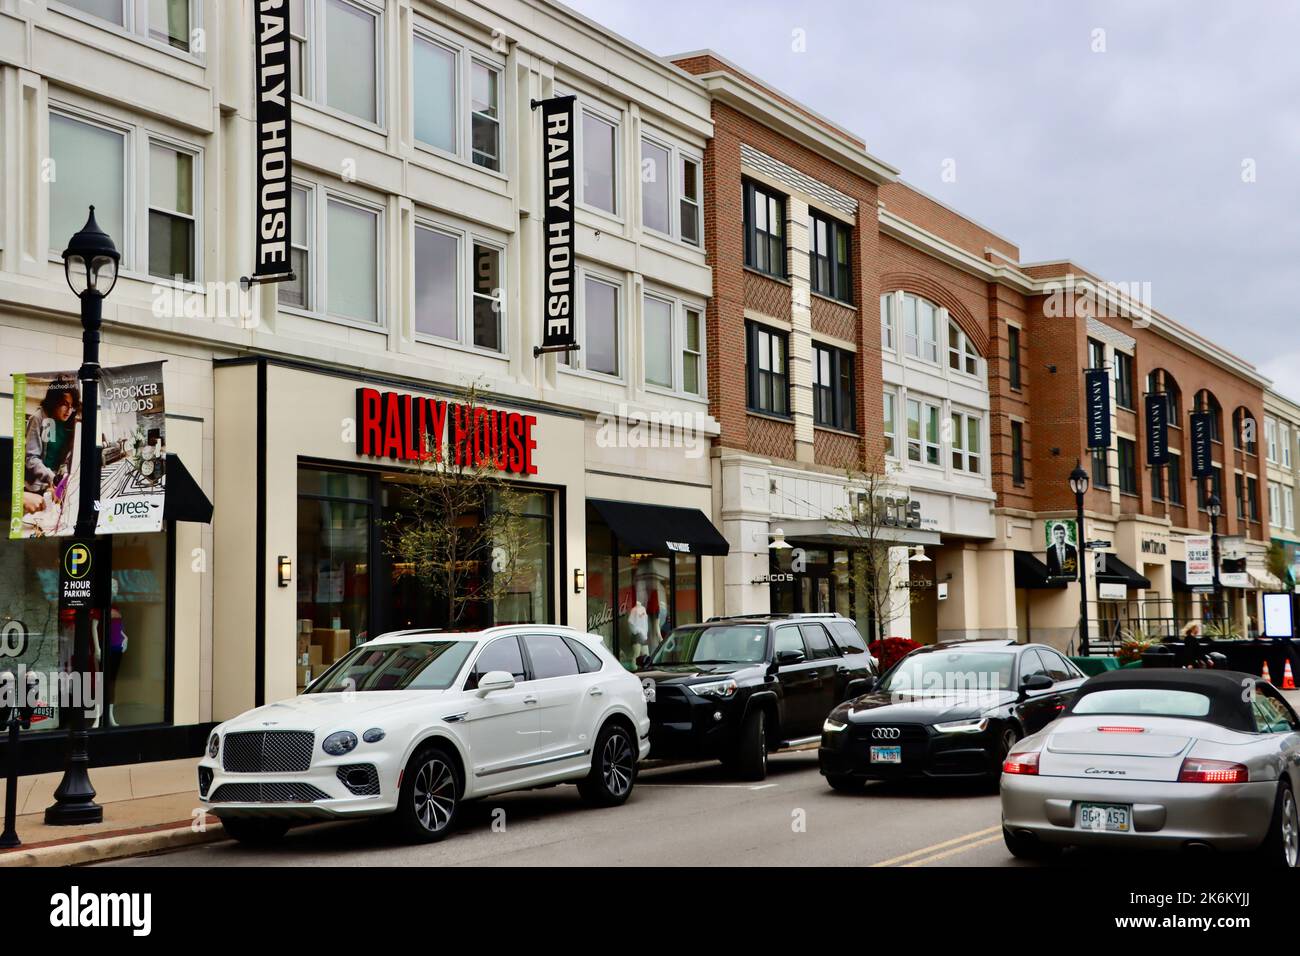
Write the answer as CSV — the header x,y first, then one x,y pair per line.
x,y
90,265
1214,508
1079,485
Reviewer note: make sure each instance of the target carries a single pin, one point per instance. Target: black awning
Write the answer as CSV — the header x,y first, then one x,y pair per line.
x,y
184,500
1032,575
1117,572
659,529
1178,575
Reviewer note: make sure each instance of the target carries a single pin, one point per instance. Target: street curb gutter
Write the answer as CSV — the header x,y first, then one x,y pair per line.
x,y
112,848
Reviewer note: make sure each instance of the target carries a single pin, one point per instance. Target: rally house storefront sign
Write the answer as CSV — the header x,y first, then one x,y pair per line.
x,y
557,168
415,428
273,139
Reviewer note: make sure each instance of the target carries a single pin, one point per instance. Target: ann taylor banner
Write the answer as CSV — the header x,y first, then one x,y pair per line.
x,y
1157,428
132,422
1202,431
273,139
1097,395
558,185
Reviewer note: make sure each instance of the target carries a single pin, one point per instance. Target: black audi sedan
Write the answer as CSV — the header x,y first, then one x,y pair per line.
x,y
946,710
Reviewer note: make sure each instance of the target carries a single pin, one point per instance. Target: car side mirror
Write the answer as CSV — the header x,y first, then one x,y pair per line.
x,y
1035,682
790,657
495,680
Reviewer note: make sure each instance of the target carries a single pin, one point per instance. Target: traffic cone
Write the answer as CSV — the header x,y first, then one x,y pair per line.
x,y
1265,674
1288,681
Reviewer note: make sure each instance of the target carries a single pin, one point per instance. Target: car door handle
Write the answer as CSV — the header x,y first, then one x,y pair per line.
x,y
530,699
595,692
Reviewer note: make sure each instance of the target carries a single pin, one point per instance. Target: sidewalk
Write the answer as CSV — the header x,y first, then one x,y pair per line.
x,y
147,808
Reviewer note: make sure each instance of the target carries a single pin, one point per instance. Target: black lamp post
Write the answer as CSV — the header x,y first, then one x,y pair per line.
x,y
90,265
1079,485
1214,508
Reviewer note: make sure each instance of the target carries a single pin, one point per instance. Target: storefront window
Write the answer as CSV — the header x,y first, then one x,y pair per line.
x,y
634,600
129,686
817,580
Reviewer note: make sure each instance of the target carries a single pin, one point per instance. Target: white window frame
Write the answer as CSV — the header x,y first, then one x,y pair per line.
x,y
576,363
684,157
465,54
925,403
319,196
500,297
422,33
676,346
889,310
196,154
922,343
466,239
613,117
675,155
1288,503
1270,439
498,68
891,447
309,228
964,349
316,69
459,273
958,443
1284,439
1275,501
126,244
135,24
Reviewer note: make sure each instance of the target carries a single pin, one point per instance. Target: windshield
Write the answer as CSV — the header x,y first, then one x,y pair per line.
x,y
1144,702
949,672
413,665
718,644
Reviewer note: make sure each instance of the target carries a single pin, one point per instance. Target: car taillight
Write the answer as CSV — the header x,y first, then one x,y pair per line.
x,y
1025,762
1121,730
1197,770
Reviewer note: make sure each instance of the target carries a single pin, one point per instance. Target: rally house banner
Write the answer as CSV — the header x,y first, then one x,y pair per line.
x,y
559,269
1097,395
133,427
273,139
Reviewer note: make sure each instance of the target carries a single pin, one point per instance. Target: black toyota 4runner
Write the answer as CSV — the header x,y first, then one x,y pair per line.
x,y
734,688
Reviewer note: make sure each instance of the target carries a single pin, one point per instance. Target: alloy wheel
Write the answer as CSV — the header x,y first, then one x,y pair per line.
x,y
435,795
1290,829
616,764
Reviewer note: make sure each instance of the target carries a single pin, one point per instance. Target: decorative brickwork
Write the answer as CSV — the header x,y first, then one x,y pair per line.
x,y
767,296
770,438
833,319
837,450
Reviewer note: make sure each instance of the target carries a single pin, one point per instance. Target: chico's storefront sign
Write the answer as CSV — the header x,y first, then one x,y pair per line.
x,y
415,428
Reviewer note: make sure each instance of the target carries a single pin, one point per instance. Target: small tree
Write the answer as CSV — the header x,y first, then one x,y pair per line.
x,y
1276,562
872,519
461,529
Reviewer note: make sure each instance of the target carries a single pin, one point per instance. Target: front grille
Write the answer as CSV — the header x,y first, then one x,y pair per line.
x,y
360,778
205,780
671,705
267,751
268,793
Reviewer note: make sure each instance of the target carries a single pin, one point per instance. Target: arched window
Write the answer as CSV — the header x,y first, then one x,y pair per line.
x,y
1161,382
912,321
1244,427
962,356
1206,402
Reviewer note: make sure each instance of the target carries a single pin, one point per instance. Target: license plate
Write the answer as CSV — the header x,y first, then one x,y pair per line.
x,y
1105,816
886,754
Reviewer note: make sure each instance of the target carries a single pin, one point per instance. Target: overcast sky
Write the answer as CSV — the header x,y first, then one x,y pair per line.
x,y
1171,157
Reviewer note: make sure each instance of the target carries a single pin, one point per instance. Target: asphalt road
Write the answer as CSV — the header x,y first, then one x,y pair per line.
x,y
688,815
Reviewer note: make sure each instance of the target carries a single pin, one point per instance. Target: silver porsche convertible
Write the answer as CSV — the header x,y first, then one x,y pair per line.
x,y
1160,758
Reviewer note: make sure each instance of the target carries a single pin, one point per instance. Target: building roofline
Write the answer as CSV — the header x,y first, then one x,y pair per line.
x,y
961,215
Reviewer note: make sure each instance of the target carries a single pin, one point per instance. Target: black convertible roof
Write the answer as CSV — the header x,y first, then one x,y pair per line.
x,y
1230,703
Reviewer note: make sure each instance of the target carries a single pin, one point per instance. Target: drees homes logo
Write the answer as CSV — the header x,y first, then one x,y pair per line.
x,y
76,909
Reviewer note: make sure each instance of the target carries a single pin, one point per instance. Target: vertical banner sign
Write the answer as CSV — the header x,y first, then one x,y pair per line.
x,y
1200,561
133,428
273,139
1157,409
1202,459
558,184
1097,395
47,455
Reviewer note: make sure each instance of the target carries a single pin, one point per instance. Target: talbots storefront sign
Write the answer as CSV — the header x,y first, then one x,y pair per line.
x,y
415,428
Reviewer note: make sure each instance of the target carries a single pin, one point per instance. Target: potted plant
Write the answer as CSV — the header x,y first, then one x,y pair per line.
x,y
1134,642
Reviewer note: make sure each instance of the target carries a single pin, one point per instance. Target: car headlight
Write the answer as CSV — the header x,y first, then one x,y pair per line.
x,y
214,744
831,725
721,689
373,735
337,744
974,725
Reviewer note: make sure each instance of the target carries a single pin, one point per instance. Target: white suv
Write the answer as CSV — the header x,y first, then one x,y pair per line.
x,y
412,723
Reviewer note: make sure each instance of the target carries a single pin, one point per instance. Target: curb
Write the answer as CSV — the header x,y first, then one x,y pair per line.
x,y
112,848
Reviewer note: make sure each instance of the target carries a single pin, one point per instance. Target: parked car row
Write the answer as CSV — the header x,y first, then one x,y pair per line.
x,y
412,724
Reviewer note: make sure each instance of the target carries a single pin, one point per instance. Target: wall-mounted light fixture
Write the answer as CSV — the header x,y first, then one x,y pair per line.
x,y
579,580
918,554
778,541
284,570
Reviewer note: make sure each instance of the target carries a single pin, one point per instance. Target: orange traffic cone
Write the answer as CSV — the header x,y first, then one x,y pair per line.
x,y
1288,681
1265,674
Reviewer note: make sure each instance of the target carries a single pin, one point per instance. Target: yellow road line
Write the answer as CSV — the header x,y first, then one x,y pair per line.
x,y
955,850
939,846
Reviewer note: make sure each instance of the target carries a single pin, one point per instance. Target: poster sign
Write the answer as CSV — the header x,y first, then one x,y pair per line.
x,y
1232,562
1200,561
274,153
1202,456
133,429
1157,428
1062,549
559,266
1277,614
1111,591
1097,394
77,575
46,461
